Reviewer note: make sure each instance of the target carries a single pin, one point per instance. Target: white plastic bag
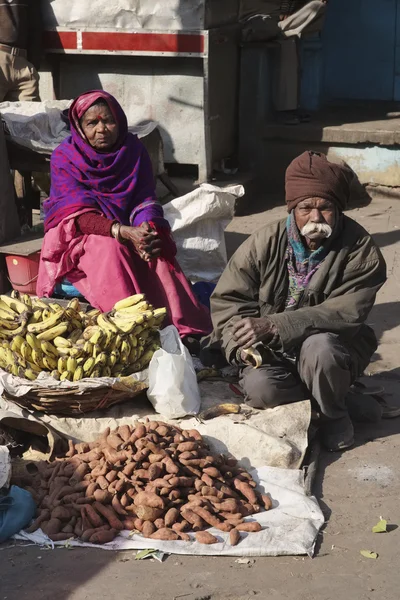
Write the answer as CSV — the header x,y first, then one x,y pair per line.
x,y
173,389
198,221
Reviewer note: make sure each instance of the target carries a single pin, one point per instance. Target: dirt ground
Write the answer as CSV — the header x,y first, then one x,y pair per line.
x,y
355,489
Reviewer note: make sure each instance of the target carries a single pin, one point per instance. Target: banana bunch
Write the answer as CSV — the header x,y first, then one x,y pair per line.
x,y
72,344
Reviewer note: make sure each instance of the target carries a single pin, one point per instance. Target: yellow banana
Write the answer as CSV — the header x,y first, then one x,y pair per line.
x,y
137,308
53,332
37,358
61,342
29,374
90,331
9,325
101,360
54,307
7,315
159,313
49,323
36,317
46,314
88,348
71,364
49,349
25,350
78,374
66,376
62,364
33,367
55,374
118,370
96,350
106,372
16,343
113,358
125,352
19,360
127,302
27,300
93,314
32,341
133,356
49,362
75,335
105,323
77,324
15,294
88,366
96,373
15,304
97,337
74,304
37,303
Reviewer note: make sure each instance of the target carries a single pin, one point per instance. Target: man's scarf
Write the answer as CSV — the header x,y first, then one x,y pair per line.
x,y
302,263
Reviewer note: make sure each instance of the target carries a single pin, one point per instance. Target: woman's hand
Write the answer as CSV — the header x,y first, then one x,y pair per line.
x,y
145,240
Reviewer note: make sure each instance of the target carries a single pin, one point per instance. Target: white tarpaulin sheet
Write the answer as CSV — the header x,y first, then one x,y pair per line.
x,y
138,14
291,527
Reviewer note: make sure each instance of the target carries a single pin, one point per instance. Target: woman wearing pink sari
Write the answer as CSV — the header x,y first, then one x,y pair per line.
x,y
104,228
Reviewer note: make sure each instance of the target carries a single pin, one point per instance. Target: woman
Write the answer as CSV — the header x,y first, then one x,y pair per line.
x,y
104,227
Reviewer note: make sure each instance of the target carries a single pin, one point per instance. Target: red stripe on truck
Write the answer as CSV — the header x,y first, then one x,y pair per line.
x,y
60,40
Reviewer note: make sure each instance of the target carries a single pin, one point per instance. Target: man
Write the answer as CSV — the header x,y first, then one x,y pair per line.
x,y
20,49
298,292
283,21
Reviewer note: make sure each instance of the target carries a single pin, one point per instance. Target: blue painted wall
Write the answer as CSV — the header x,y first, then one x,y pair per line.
x,y
360,50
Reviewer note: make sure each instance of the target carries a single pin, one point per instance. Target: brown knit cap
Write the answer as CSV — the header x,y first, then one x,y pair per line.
x,y
311,175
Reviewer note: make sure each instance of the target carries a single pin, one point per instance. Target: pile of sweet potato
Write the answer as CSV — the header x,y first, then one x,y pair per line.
x,y
153,478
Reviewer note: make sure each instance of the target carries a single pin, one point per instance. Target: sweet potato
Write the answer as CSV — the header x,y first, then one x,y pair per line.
x,y
199,484
111,475
193,518
245,490
71,450
90,490
204,537
125,500
230,505
267,502
148,513
155,471
114,457
82,486
211,519
71,498
187,447
109,514
92,515
161,483
124,432
100,471
164,534
174,495
102,482
182,526
138,524
129,523
128,470
62,513
149,499
140,431
102,496
196,435
148,529
171,517
252,526
212,472
103,537
87,534
68,529
82,448
185,537
78,530
79,474
117,506
114,441
234,537
93,464
159,523
52,526
181,481
43,516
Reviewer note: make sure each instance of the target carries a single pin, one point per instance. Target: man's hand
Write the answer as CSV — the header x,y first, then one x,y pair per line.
x,y
145,240
250,331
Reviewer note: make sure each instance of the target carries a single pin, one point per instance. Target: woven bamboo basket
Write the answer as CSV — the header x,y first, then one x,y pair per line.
x,y
69,402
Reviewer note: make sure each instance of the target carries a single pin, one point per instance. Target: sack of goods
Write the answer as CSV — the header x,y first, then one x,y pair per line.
x,y
71,344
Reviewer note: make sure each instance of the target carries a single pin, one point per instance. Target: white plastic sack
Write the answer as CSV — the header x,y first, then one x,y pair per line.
x,y
198,221
173,389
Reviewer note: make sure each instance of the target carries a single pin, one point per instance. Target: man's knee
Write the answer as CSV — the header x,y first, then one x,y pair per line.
x,y
259,388
323,350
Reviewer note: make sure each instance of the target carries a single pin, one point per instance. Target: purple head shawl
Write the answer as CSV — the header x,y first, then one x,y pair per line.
x,y
119,183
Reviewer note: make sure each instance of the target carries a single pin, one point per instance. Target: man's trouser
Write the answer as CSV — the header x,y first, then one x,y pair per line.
x,y
19,79
324,372
307,20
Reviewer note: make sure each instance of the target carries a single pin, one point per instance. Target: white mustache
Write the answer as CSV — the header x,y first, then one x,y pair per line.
x,y
316,230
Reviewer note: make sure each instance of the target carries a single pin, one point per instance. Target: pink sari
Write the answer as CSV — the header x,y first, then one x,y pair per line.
x,y
105,271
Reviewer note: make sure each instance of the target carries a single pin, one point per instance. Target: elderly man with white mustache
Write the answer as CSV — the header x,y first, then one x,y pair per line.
x,y
296,295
